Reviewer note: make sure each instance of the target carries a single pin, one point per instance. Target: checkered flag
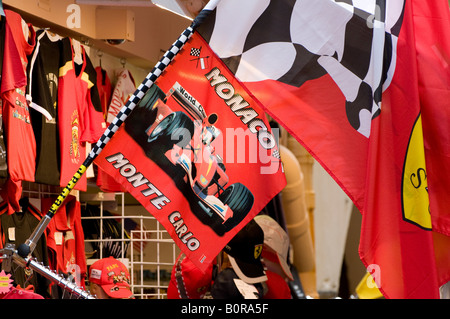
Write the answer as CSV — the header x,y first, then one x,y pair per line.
x,y
348,40
276,154
196,52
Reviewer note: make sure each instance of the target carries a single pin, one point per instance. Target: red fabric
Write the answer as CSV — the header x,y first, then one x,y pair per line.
x,y
194,282
65,238
21,293
422,83
11,193
78,120
277,287
384,174
168,194
386,238
431,25
17,47
400,253
20,140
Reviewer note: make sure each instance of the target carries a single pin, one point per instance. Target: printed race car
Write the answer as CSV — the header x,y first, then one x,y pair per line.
x,y
186,140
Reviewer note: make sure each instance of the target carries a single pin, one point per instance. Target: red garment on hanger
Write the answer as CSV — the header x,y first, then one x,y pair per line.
x,y
80,117
65,238
20,140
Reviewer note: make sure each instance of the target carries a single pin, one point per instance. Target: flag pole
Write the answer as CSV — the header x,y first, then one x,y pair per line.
x,y
27,248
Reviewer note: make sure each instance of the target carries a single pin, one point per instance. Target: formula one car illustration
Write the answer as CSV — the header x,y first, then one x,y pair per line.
x,y
186,140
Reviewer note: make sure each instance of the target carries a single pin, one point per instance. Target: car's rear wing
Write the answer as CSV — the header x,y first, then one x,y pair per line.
x,y
187,101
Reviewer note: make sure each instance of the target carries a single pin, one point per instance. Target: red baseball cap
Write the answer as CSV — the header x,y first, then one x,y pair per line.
x,y
187,281
113,276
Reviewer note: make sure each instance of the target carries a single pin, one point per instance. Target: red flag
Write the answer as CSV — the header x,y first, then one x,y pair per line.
x,y
364,87
198,153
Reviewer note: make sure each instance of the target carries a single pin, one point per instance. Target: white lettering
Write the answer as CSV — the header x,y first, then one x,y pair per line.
x,y
137,179
194,309
74,19
239,106
183,232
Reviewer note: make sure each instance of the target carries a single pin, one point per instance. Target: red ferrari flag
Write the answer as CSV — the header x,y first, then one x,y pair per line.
x,y
198,153
364,87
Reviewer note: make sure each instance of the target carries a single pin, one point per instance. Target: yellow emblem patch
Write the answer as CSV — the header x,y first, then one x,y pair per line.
x,y
415,201
258,251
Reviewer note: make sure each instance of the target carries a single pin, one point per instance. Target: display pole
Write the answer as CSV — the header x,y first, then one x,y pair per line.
x,y
65,283
27,248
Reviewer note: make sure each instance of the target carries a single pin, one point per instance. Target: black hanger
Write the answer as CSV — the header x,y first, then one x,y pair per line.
x,y
24,202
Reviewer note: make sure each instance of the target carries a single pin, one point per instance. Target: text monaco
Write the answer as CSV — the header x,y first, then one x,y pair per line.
x,y
241,108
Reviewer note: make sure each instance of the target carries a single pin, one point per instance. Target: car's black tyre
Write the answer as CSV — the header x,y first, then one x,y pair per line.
x,y
239,198
175,129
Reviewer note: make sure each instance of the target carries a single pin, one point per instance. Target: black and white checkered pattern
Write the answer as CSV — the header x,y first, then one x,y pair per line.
x,y
137,95
294,41
195,52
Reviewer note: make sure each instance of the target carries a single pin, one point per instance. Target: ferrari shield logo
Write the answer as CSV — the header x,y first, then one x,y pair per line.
x,y
415,201
258,251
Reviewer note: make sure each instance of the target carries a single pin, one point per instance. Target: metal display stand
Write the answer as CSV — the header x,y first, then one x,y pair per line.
x,y
9,253
151,274
151,251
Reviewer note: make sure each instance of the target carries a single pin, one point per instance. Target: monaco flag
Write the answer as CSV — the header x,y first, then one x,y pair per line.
x,y
198,153
364,86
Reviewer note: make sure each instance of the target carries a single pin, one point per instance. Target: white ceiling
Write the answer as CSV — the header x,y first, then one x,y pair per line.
x,y
155,28
158,23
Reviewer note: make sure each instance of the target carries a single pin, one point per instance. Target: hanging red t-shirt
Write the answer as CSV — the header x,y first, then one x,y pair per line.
x,y
19,41
65,239
20,140
80,117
